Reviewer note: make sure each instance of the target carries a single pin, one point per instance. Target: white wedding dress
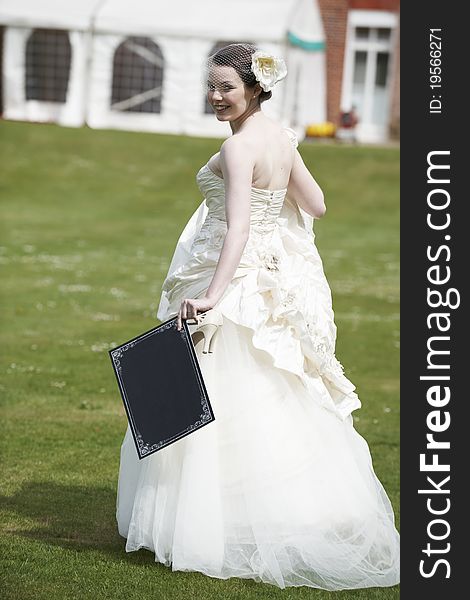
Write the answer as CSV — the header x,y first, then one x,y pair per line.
x,y
280,488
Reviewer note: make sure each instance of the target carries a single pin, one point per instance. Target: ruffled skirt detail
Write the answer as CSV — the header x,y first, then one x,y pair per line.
x,y
277,489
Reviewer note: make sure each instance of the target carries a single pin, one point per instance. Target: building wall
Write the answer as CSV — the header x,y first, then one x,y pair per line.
x,y
335,15
391,5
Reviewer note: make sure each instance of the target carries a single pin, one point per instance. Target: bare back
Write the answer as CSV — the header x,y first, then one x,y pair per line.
x,y
273,151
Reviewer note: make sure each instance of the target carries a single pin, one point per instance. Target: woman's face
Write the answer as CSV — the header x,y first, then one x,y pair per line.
x,y
227,94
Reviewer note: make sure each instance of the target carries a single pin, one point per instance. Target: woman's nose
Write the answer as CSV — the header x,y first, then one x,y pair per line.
x,y
216,95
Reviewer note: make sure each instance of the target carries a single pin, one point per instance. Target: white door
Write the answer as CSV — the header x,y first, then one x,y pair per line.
x,y
367,73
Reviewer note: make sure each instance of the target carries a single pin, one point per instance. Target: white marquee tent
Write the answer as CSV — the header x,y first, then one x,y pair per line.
x,y
139,65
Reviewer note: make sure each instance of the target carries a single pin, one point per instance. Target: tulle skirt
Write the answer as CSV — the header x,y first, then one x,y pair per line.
x,y
277,489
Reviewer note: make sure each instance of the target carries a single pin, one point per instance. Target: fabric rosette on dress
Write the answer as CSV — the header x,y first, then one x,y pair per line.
x,y
284,298
279,290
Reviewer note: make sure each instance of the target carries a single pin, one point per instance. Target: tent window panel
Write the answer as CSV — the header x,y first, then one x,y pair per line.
x,y
138,67
48,57
208,110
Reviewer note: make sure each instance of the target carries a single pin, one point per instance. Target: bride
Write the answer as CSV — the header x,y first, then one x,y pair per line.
x,y
280,488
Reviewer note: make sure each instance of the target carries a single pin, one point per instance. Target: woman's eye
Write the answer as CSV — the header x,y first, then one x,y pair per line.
x,y
211,87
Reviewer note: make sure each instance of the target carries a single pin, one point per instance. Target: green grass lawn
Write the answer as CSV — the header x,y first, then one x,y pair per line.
x,y
90,220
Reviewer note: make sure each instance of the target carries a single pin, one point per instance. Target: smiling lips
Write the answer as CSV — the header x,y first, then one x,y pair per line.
x,y
220,107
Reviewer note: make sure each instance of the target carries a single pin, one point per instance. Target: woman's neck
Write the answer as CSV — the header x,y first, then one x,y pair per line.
x,y
249,114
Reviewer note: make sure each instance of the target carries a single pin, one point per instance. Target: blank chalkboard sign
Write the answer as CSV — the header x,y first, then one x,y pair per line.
x,y
161,386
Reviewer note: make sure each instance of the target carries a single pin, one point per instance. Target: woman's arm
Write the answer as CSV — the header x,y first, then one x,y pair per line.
x,y
304,190
237,165
237,169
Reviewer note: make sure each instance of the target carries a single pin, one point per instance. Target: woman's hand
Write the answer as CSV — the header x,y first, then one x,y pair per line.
x,y
191,306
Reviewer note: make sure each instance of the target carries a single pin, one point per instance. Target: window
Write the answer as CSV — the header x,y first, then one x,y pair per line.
x,y
370,51
362,33
48,56
360,60
383,33
138,67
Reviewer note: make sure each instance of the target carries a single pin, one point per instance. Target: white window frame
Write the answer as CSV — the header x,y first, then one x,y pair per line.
x,y
367,131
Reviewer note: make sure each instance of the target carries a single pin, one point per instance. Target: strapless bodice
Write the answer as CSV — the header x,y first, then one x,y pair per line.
x,y
266,204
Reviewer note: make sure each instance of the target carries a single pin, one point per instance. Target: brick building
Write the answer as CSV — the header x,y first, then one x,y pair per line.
x,y
362,63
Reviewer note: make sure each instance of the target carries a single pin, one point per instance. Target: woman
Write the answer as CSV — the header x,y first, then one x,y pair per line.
x,y
280,488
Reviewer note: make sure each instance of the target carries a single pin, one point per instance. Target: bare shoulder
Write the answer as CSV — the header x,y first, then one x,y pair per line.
x,y
236,144
238,149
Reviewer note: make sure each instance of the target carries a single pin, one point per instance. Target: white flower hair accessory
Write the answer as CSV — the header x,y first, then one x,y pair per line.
x,y
268,69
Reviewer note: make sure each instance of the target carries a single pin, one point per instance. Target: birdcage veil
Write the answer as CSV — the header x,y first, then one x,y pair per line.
x,y
252,64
